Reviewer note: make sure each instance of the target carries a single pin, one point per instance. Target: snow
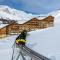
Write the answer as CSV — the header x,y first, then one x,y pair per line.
x,y
21,22
45,41
9,13
56,15
41,17
3,25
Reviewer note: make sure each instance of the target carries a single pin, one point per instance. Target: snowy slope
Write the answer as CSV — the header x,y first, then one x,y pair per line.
x,y
45,41
6,45
10,13
56,15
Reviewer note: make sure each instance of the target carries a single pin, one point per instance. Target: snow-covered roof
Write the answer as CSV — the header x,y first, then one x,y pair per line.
x,y
21,22
3,25
41,17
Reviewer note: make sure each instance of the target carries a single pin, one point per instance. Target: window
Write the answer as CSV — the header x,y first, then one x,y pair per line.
x,y
51,24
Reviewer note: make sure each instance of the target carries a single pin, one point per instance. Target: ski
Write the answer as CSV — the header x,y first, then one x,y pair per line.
x,y
18,56
13,52
23,56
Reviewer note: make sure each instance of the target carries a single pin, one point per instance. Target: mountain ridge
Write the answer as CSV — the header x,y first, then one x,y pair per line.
x,y
7,12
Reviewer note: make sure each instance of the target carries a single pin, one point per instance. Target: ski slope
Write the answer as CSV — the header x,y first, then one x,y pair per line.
x,y
9,13
45,42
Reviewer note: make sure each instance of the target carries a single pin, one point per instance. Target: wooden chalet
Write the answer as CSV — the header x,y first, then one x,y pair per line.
x,y
33,24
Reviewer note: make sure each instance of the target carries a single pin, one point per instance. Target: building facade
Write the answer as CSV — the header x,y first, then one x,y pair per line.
x,y
3,32
33,24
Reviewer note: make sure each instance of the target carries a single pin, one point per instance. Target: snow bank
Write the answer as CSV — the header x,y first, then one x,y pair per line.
x,y
46,42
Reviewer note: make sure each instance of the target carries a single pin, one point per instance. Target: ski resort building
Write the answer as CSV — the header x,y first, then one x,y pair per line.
x,y
3,30
33,24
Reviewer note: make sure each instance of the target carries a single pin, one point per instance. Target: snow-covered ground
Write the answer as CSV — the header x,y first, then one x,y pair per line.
x,y
9,13
45,41
6,13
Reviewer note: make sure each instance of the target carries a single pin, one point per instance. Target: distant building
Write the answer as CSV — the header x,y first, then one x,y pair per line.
x,y
33,24
3,30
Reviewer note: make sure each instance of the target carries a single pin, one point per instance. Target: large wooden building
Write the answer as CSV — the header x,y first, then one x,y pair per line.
x,y
33,24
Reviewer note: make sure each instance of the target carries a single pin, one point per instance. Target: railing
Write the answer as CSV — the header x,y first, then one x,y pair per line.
x,y
35,54
25,52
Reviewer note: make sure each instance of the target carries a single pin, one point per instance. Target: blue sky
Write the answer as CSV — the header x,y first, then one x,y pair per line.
x,y
33,6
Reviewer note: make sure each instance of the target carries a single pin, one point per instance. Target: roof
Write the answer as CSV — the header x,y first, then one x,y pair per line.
x,y
22,21
38,18
3,25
